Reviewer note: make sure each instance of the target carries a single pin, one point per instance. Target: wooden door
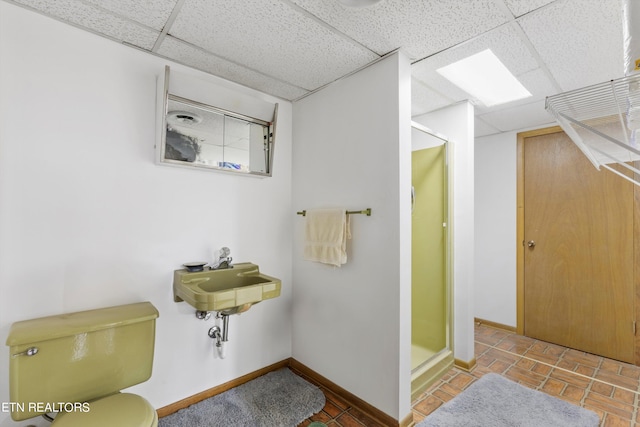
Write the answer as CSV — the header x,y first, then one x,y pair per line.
x,y
578,250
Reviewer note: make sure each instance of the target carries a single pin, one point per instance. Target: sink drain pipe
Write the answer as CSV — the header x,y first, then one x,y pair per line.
x,y
220,334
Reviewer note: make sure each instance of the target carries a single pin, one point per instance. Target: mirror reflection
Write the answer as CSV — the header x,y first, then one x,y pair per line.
x,y
208,137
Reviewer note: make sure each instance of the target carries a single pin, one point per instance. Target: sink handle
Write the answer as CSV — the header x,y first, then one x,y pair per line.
x,y
223,261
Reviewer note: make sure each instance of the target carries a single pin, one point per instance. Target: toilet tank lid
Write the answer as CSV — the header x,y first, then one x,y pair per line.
x,y
51,327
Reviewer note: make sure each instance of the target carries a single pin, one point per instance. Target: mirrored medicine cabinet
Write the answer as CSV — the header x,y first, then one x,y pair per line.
x,y
199,135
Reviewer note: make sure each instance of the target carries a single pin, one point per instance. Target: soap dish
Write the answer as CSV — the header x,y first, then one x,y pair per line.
x,y
194,266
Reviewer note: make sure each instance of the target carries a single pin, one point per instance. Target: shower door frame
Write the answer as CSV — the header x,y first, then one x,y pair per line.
x,y
427,372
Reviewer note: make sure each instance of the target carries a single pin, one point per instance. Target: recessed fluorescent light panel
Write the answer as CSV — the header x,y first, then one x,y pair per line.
x,y
485,78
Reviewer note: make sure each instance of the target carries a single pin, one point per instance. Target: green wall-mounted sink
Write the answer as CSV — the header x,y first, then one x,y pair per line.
x,y
229,291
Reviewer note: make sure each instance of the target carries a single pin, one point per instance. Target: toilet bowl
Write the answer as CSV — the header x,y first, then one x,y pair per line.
x,y
75,364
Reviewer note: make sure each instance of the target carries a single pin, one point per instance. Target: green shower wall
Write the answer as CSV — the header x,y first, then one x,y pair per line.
x,y
428,298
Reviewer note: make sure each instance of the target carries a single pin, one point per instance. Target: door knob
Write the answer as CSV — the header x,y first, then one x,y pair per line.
x,y
531,243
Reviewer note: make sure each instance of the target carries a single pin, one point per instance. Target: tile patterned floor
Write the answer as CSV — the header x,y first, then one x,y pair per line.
x,y
338,413
607,387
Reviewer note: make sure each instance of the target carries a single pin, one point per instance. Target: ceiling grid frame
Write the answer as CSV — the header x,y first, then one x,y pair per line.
x,y
290,72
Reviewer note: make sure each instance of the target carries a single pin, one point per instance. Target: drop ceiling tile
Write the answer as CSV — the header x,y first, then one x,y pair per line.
x,y
520,117
520,7
272,37
481,128
152,13
421,27
537,82
579,41
196,58
425,99
430,78
95,20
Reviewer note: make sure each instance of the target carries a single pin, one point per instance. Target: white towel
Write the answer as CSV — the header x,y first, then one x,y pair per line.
x,y
326,234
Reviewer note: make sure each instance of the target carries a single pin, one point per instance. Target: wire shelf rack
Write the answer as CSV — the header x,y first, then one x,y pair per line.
x,y
603,120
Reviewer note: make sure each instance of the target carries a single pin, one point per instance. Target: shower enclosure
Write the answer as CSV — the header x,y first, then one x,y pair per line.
x,y
431,352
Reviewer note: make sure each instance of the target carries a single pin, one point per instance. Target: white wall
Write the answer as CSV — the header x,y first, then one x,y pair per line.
x,y
456,122
352,324
88,220
495,228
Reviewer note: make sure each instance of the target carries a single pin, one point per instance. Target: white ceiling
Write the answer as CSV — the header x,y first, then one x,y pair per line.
x,y
289,48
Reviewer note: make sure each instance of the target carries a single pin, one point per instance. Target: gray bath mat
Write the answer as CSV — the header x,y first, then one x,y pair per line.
x,y
497,402
277,399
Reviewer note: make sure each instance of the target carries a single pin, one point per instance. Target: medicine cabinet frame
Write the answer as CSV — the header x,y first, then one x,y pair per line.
x,y
179,129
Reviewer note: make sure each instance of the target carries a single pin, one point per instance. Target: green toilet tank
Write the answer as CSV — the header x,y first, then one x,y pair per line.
x,y
79,357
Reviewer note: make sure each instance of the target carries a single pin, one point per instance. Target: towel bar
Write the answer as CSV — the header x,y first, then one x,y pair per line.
x,y
366,212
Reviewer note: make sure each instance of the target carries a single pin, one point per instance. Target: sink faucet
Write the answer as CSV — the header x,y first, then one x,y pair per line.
x,y
223,261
